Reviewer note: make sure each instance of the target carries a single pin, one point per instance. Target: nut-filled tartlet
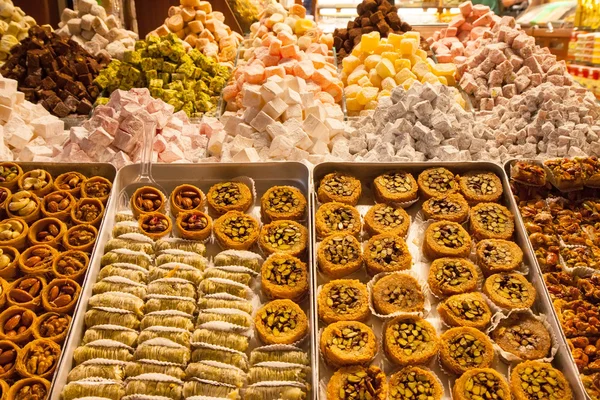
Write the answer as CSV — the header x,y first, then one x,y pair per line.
x,y
395,187
236,230
435,182
186,198
283,236
343,300
283,202
25,205
467,309
446,239
284,276
523,335
339,187
147,199
224,197
415,383
449,276
348,343
281,322
70,182
9,175
97,187
510,290
534,380
348,382
88,211
58,205
397,292
465,348
497,255
383,218
491,221
452,207
194,225
479,187
410,340
339,255
337,217
481,382
386,253
37,181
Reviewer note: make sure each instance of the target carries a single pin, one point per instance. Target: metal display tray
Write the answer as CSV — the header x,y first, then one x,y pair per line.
x,y
366,173
265,175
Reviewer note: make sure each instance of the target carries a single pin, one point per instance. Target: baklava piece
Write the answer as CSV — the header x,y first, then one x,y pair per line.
x,y
383,218
528,173
349,382
283,202
410,340
468,309
339,187
564,173
284,277
524,336
339,255
343,300
479,187
395,187
194,225
510,291
482,383
147,199
337,217
491,221
236,230
283,236
537,380
452,207
281,322
449,276
436,182
414,383
446,239
397,293
463,349
347,343
386,253
186,198
497,255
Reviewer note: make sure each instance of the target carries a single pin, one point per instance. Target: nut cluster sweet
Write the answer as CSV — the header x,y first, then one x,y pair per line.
x,y
343,299
239,228
194,222
49,232
87,212
348,338
41,358
8,357
453,274
284,272
389,216
279,320
410,336
26,290
155,223
510,288
188,199
148,201
39,258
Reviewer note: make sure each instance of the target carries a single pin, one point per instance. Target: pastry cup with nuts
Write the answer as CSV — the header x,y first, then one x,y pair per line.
x,y
71,264
497,255
334,217
449,276
446,239
480,186
5,193
349,381
236,230
281,322
467,309
491,221
61,295
26,292
283,236
155,225
383,218
436,182
9,175
465,348
284,276
9,262
52,326
523,335
16,324
539,380
37,181
8,359
80,237
58,205
194,225
97,187
37,260
397,292
186,198
386,253
283,202
48,231
481,381
452,207
395,187
347,343
510,291
410,340
343,300
147,199
339,255
24,205
415,383
339,187
70,182
87,211
13,233
224,197
38,358
4,288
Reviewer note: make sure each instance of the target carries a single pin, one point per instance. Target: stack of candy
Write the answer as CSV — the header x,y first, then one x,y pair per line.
x,y
14,25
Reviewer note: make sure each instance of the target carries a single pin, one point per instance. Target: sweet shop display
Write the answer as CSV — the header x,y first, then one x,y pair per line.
x,y
14,27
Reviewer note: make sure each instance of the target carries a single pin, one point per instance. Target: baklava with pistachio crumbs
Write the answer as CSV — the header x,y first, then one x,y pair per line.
x,y
339,187
347,343
449,276
436,182
491,221
446,239
350,382
480,186
236,230
523,335
397,292
386,253
284,277
409,340
343,300
497,255
534,380
395,187
465,348
224,197
283,202
415,383
483,383
452,207
383,218
283,236
467,309
334,217
281,322
339,255
510,291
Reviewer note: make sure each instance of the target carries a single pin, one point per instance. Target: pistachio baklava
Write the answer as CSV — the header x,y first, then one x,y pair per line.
x,y
224,197
351,382
465,348
236,230
347,343
497,255
510,290
283,202
337,217
284,276
523,335
339,187
491,221
395,187
446,239
283,236
436,182
415,383
339,255
467,309
281,322
452,207
343,300
449,276
538,380
386,253
564,173
397,292
480,186
410,340
383,218
590,170
481,383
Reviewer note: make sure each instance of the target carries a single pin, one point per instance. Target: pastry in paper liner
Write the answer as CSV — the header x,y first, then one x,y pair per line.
x,y
176,270
124,227
332,218
70,182
480,186
154,367
61,295
27,388
243,258
229,339
201,387
103,348
397,292
180,244
467,309
147,199
449,276
155,225
452,207
347,343
386,253
80,237
205,351
37,181
273,318
219,285
16,229
124,270
58,205
161,302
282,202
231,315
12,320
216,371
357,379
173,287
284,276
37,260
126,256
402,351
186,198
339,255
491,221
497,255
279,353
183,257
93,387
218,302
465,348
9,259
4,388
437,181
339,187
12,170
481,380
278,372
26,292
540,378
395,187
111,316
343,300
98,368
9,352
224,197
52,326
528,173
160,349
24,205
236,230
236,273
411,382
177,335
193,225
170,318
128,242
154,385
118,333
510,291
38,358
71,264
446,239
283,236
384,218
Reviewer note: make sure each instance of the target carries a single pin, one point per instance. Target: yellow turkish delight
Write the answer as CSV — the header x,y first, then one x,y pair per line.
x,y
409,46
367,94
420,69
404,75
385,68
369,42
